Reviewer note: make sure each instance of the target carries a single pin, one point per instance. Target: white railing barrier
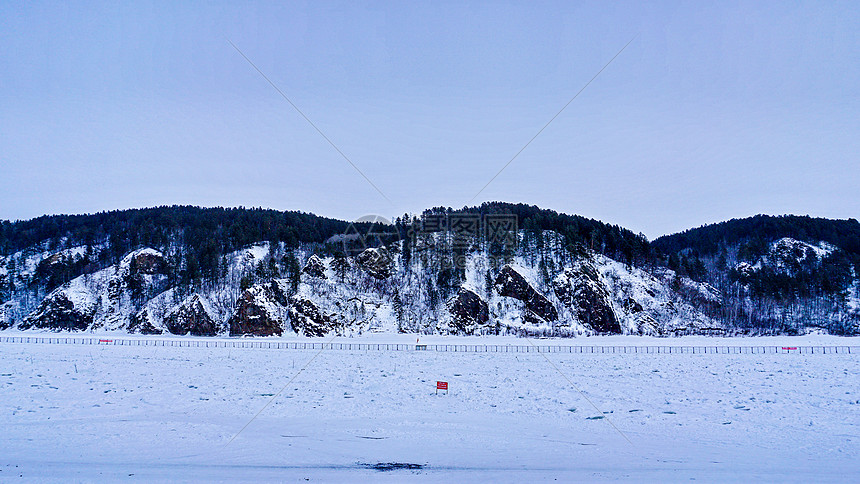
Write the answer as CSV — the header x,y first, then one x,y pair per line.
x,y
451,348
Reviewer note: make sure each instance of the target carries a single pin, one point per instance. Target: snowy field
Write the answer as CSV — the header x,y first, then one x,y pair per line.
x,y
138,414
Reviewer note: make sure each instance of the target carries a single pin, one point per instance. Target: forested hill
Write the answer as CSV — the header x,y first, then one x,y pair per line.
x,y
579,233
201,237
215,231
227,228
207,232
756,233
781,273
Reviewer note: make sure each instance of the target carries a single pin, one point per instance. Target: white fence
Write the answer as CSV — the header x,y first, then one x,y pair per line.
x,y
472,348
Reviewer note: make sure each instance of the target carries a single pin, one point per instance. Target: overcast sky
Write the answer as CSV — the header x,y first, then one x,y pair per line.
x,y
711,113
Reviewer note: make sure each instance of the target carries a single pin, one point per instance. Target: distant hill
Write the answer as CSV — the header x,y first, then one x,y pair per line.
x,y
761,229
230,227
778,272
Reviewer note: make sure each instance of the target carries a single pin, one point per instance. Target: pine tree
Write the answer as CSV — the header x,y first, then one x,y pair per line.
x,y
544,271
340,265
272,268
398,310
292,270
407,251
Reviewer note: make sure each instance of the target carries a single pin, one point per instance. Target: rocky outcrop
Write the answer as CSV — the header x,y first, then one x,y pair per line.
x,y
61,311
55,267
147,261
192,316
106,299
579,288
315,267
468,311
308,319
643,302
376,262
511,283
122,290
260,311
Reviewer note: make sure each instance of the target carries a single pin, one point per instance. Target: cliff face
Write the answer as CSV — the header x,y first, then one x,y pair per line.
x,y
510,283
581,290
192,316
468,312
105,299
260,311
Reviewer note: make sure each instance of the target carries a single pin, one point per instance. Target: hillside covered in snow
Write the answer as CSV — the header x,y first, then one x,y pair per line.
x,y
554,275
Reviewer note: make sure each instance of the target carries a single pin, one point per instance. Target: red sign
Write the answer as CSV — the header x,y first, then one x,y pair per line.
x,y
441,385
789,348
105,341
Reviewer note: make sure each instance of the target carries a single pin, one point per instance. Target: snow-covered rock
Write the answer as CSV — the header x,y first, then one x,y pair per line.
x,y
376,262
26,262
786,252
468,311
580,289
547,293
260,311
308,319
511,283
145,261
106,299
658,309
193,316
68,308
315,267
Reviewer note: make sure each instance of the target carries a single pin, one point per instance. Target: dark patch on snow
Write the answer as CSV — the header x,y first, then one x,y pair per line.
x,y
393,466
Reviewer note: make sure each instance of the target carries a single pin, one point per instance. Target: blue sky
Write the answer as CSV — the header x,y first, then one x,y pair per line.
x,y
713,112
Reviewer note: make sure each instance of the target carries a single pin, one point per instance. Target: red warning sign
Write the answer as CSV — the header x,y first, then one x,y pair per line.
x,y
441,385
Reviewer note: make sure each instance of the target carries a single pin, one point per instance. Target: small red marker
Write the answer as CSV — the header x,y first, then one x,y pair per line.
x,y
441,385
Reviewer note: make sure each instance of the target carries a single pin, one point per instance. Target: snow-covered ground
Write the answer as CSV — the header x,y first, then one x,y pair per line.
x,y
118,413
